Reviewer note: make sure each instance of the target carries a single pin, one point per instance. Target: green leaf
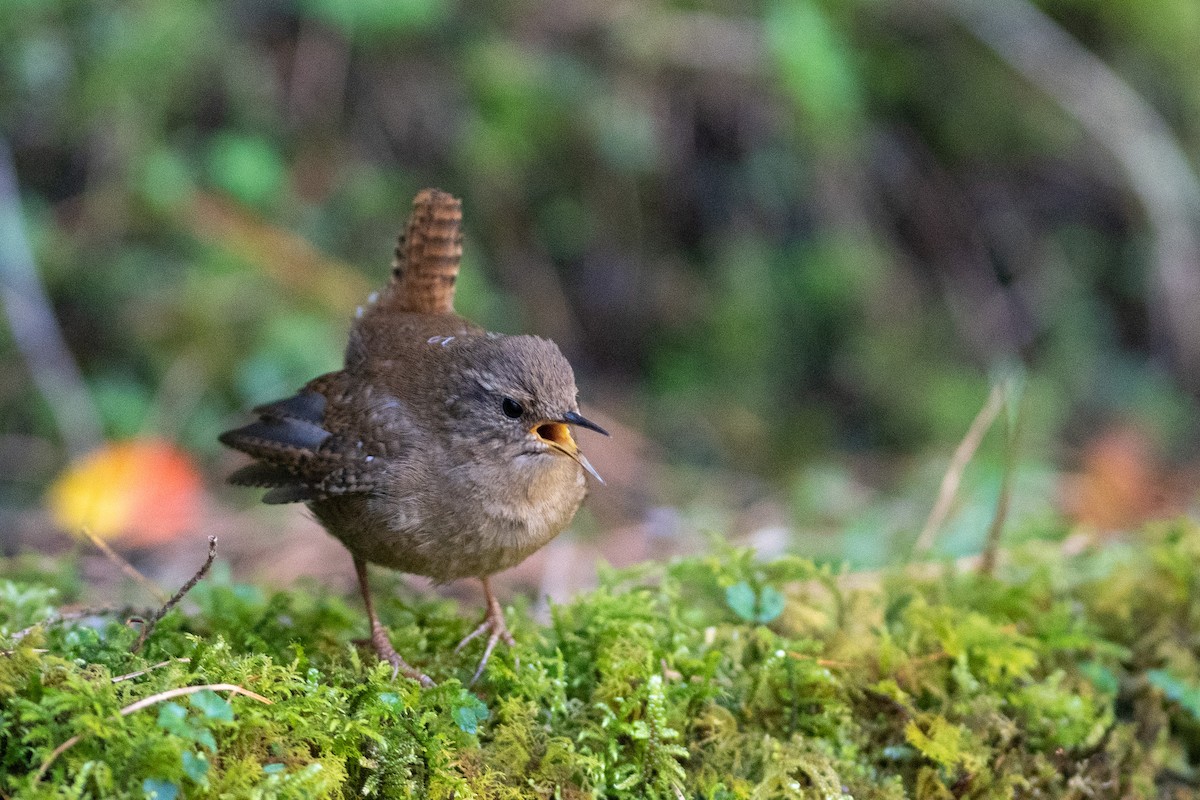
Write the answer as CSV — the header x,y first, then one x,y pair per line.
x,y
742,600
770,604
172,718
468,712
1101,677
212,705
761,607
813,61
249,168
205,738
159,789
1177,690
195,765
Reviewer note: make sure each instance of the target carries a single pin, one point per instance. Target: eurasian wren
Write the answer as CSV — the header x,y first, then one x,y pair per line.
x,y
439,449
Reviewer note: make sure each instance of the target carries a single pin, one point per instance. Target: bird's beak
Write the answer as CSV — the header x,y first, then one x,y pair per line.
x,y
557,434
571,418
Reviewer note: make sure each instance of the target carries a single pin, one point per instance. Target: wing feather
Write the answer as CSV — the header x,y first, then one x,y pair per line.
x,y
296,456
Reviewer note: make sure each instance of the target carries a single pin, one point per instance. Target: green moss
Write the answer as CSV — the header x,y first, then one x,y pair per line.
x,y
717,677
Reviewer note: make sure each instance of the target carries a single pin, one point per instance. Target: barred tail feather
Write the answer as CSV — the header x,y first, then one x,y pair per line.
x,y
428,255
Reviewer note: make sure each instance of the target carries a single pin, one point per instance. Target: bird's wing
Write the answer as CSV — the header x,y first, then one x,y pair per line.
x,y
338,434
304,447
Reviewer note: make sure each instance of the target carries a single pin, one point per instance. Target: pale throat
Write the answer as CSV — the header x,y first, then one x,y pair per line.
x,y
544,473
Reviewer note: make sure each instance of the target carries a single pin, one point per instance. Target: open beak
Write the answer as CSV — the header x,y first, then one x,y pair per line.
x,y
557,434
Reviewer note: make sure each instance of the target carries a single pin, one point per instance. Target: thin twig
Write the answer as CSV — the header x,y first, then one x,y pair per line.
x,y
125,566
954,472
1012,446
142,672
820,662
148,628
149,701
54,754
185,690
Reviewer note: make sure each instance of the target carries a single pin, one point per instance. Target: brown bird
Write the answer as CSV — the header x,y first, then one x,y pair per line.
x,y
439,449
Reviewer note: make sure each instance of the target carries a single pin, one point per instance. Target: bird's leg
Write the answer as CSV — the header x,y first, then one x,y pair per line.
x,y
493,625
379,637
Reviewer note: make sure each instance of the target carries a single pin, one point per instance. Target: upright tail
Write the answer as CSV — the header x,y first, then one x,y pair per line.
x,y
427,256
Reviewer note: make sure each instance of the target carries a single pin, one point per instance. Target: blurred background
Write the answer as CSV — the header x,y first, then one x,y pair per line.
x,y
788,245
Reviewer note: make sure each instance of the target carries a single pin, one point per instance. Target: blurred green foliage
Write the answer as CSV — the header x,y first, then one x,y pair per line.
x,y
774,228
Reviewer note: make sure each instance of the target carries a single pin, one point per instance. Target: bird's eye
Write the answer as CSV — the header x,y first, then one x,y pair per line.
x,y
511,408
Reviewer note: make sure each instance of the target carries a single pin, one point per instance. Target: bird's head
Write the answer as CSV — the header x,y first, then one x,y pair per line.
x,y
517,396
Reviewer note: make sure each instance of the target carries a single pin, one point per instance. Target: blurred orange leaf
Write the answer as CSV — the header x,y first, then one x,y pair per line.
x,y
142,492
1121,481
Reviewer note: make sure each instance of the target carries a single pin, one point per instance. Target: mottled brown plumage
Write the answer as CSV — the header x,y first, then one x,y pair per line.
x,y
439,449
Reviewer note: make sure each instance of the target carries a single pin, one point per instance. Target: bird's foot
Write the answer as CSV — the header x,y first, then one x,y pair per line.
x,y
379,637
383,646
496,629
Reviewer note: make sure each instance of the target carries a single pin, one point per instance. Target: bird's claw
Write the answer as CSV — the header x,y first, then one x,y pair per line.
x,y
387,653
493,624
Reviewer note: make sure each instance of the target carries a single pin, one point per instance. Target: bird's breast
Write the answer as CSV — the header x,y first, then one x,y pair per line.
x,y
530,501
468,522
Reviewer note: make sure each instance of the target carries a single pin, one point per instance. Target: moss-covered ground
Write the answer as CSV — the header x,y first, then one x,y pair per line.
x,y
715,677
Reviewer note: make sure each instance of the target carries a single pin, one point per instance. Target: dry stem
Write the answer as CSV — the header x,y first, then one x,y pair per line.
x,y
954,472
124,565
141,672
148,628
991,546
